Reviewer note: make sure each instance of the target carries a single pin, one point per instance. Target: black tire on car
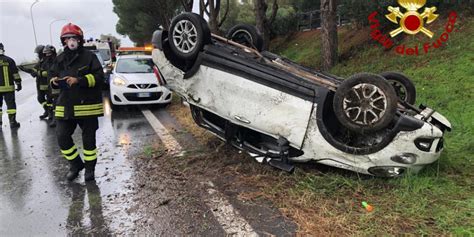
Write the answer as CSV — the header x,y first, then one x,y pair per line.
x,y
365,103
188,35
247,35
404,87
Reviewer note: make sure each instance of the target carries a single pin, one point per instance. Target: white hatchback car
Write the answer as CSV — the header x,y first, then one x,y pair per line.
x,y
281,112
135,80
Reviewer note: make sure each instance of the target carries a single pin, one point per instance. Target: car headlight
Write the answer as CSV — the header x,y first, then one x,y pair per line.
x,y
119,81
405,158
424,144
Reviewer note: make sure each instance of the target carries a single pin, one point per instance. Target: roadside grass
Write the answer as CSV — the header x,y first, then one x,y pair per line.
x,y
440,199
327,201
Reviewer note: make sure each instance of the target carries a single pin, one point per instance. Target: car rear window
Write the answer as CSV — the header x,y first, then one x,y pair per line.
x,y
134,65
105,53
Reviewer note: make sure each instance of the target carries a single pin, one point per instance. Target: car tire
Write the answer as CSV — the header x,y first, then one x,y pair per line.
x,y
247,35
365,103
403,86
188,35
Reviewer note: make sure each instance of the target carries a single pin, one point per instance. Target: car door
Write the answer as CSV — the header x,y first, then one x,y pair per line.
x,y
250,104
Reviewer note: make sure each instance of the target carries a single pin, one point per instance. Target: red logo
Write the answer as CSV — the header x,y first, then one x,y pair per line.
x,y
409,26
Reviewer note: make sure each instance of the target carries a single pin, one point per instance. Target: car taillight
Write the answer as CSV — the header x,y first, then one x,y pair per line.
x,y
158,77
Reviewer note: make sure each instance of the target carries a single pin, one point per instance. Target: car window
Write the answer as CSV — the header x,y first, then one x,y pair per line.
x,y
105,53
134,65
100,58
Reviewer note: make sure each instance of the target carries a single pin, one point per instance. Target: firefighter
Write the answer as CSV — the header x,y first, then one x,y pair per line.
x,y
79,75
41,80
9,77
49,53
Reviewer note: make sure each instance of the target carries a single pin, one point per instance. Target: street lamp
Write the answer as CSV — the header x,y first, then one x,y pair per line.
x,y
51,23
33,21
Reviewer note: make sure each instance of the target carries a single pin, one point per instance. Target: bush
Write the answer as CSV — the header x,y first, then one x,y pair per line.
x,y
285,21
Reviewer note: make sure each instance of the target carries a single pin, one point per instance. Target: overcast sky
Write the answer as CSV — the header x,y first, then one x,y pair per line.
x,y
95,17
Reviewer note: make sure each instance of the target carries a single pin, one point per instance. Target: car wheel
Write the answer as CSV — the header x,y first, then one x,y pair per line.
x,y
188,35
247,35
404,87
365,103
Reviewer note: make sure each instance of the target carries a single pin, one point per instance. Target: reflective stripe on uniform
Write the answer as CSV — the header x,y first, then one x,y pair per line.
x,y
59,111
43,104
44,73
7,88
43,87
90,155
11,111
49,105
90,80
88,110
71,153
6,77
89,113
88,107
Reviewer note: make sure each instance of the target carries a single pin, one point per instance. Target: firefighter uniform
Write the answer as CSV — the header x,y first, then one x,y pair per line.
x,y
48,62
78,105
42,85
9,76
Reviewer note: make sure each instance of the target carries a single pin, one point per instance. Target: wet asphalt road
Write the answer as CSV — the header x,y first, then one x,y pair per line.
x,y
35,199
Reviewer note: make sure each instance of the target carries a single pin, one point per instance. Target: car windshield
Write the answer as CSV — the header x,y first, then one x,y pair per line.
x,y
105,53
100,58
134,65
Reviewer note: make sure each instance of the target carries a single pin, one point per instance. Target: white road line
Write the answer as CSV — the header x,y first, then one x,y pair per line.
x,y
168,140
229,218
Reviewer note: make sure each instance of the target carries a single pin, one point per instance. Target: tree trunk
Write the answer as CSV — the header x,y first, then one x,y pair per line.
x,y
187,5
263,23
329,33
211,8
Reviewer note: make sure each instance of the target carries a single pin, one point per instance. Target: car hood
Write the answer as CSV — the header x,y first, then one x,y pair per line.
x,y
133,78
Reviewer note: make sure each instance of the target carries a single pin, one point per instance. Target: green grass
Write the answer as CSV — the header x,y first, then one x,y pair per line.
x,y
440,199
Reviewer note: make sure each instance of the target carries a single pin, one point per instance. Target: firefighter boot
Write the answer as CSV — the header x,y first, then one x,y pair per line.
x,y
90,168
45,114
75,166
13,122
51,118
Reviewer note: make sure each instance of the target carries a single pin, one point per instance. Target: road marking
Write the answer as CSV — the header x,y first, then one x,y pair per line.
x,y
229,218
168,140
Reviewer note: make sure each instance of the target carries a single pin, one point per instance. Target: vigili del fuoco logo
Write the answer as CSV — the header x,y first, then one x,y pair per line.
x,y
411,21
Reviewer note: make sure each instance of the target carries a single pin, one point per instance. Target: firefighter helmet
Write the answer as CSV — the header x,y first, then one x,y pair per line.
x,y
39,49
49,49
71,30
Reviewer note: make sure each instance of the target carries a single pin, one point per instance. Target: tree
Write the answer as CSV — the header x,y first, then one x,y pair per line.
x,y
115,40
187,5
262,21
329,33
212,8
139,20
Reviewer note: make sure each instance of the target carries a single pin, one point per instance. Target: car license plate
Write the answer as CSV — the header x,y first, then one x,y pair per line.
x,y
143,94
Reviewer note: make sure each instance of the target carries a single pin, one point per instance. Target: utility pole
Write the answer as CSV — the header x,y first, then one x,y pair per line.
x,y
33,21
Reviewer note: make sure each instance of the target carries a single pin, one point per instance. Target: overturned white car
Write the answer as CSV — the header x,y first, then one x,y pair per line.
x,y
281,112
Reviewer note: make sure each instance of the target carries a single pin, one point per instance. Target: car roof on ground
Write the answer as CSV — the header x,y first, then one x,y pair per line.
x,y
134,56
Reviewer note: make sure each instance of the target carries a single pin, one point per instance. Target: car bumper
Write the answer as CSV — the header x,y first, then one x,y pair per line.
x,y
121,95
406,153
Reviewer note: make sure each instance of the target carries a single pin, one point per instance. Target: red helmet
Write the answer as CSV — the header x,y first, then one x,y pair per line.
x,y
71,30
